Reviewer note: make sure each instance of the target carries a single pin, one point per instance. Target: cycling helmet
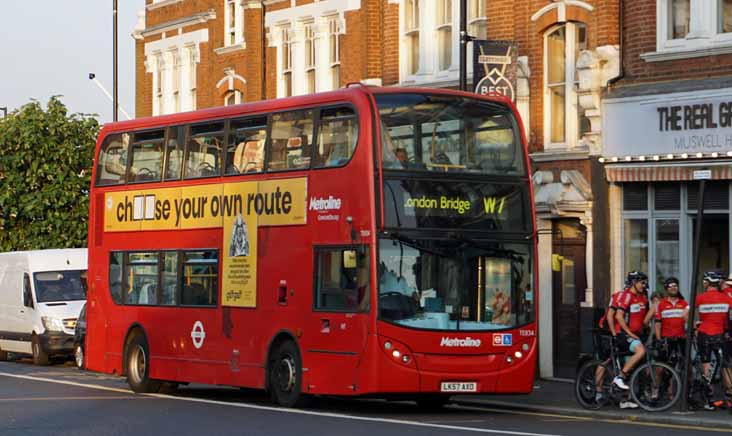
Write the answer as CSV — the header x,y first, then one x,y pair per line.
x,y
635,276
670,280
713,277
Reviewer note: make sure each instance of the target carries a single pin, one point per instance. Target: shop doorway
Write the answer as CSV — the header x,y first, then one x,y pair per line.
x,y
568,288
714,252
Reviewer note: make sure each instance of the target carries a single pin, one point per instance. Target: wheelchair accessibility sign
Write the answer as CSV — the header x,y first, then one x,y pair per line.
x,y
502,339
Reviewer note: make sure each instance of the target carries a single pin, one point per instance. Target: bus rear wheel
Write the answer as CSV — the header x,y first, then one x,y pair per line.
x,y
285,376
137,357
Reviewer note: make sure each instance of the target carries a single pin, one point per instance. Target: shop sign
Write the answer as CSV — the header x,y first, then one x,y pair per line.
x,y
494,68
675,124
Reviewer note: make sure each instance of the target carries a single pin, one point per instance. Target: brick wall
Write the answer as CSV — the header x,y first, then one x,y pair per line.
x,y
640,37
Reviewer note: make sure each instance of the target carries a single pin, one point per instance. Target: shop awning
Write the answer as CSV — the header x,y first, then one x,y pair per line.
x,y
666,172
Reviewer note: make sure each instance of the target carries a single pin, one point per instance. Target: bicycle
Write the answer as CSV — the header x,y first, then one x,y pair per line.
x,y
654,386
701,387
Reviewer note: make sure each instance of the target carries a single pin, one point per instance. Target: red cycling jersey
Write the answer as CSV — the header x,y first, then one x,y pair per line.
x,y
635,307
671,317
714,307
613,304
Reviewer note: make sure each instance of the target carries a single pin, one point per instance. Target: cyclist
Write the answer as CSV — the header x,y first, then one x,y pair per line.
x,y
713,308
607,322
671,316
630,313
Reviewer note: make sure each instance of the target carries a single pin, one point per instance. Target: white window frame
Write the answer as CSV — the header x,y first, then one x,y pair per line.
x,y
410,32
310,49
175,79
158,83
192,58
237,31
334,51
286,61
478,6
571,103
236,94
703,29
444,25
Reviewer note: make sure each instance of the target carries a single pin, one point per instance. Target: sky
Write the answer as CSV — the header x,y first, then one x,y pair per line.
x,y
49,47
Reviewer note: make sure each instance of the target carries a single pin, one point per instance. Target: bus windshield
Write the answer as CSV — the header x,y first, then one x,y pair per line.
x,y
454,285
60,286
422,132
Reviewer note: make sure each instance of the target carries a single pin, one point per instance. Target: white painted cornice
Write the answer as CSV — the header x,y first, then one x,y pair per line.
x,y
191,20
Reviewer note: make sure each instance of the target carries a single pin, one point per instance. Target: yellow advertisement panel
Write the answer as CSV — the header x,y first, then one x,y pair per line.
x,y
239,281
239,208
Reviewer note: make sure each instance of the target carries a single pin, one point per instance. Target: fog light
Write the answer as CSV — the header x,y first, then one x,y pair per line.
x,y
396,353
525,347
509,359
405,359
387,345
518,354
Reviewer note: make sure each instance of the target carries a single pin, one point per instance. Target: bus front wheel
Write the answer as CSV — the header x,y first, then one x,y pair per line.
x,y
285,375
137,358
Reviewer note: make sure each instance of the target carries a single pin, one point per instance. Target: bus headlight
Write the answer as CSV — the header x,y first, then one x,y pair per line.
x,y
518,354
53,324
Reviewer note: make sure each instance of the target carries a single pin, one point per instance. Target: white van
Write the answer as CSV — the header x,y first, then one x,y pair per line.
x,y
41,295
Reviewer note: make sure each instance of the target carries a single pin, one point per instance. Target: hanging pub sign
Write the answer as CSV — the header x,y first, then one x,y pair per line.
x,y
494,67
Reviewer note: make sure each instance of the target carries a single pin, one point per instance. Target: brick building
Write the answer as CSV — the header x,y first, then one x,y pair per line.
x,y
667,117
202,53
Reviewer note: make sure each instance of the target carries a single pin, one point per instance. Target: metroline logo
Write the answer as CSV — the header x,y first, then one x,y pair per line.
x,y
457,342
322,204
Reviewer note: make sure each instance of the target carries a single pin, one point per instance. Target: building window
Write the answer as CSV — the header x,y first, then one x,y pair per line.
x,y
192,61
688,25
477,26
175,79
232,97
286,62
334,42
563,121
411,35
233,18
158,108
310,57
444,34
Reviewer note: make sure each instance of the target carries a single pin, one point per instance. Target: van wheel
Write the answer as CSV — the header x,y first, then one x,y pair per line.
x,y
40,357
137,357
79,356
3,356
285,376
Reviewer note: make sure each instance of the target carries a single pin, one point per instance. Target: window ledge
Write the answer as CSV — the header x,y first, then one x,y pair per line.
x,y
230,49
550,155
162,4
687,53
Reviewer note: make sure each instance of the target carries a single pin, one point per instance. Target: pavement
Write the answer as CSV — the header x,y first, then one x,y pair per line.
x,y
557,397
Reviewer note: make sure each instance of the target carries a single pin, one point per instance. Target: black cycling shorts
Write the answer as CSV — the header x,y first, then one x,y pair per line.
x,y
709,345
673,346
627,344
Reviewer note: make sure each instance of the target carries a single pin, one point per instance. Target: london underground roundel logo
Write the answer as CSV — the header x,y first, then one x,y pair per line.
x,y
198,334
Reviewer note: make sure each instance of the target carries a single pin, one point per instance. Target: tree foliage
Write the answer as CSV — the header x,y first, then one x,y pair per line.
x,y
45,168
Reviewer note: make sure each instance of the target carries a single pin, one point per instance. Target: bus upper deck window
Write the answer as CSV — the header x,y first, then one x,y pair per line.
x,y
245,149
204,151
337,133
174,152
292,135
147,157
112,161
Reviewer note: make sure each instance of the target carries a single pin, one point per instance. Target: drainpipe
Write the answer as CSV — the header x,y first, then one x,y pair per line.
x,y
621,23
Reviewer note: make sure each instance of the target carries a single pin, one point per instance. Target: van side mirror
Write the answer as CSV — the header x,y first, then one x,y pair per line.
x,y
27,295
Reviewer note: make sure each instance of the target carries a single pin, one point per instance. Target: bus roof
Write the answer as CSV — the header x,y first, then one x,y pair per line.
x,y
351,92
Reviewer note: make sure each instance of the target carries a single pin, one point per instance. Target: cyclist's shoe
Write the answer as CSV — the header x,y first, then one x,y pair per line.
x,y
709,406
627,404
620,382
599,397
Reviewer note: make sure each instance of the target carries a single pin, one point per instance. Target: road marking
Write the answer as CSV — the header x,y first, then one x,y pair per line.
x,y
627,421
13,400
282,410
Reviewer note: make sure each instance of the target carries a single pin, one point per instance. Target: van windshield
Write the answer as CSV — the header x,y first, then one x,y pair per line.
x,y
60,286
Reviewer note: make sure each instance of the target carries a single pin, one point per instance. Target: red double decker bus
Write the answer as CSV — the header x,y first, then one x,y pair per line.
x,y
362,242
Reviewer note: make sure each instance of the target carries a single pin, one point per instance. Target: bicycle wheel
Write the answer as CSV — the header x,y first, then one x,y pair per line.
x,y
655,386
592,378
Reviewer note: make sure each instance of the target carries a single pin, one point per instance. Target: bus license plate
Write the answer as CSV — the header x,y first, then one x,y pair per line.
x,y
459,387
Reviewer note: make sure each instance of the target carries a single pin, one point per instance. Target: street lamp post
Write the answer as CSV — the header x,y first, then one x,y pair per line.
x,y
464,38
115,103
